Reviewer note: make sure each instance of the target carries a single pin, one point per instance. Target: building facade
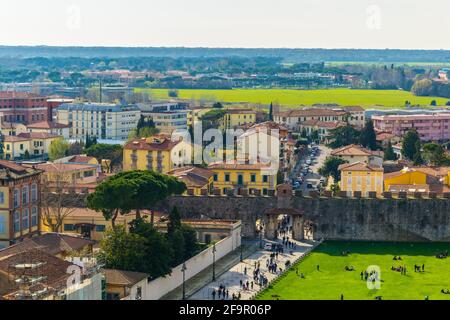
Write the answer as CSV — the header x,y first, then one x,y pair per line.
x,y
238,117
257,179
167,116
158,153
354,153
23,107
19,202
361,177
104,121
431,127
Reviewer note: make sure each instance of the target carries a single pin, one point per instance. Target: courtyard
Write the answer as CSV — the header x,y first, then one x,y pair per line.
x,y
333,271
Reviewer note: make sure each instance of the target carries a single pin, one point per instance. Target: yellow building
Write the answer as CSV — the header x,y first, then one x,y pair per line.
x,y
258,178
89,223
405,177
418,179
194,114
19,202
238,117
361,177
79,177
35,143
158,153
198,181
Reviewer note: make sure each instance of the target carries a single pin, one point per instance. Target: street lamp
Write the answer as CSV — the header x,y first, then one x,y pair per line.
x,y
241,248
214,262
183,269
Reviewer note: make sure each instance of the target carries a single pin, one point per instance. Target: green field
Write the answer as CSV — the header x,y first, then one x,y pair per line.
x,y
288,97
332,280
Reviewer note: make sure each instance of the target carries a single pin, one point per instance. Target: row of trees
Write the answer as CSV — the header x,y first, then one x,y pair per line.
x,y
346,135
431,153
61,148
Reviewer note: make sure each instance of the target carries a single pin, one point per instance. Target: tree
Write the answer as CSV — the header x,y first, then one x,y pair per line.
x,y
174,221
132,190
75,148
409,144
58,200
422,87
158,253
26,155
368,137
173,93
433,103
418,160
343,136
122,250
112,152
330,168
434,154
217,105
389,153
58,149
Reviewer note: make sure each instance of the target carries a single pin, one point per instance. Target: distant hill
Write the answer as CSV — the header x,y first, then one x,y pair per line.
x,y
288,55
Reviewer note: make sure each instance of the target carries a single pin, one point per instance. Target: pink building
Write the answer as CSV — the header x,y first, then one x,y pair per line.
x,y
431,127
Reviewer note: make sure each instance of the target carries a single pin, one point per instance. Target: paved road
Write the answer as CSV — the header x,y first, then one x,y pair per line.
x,y
231,279
313,177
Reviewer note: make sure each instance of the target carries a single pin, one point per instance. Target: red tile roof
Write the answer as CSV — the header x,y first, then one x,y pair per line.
x,y
37,135
47,125
359,166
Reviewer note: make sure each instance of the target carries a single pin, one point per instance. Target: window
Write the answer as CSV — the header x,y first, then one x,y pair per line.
x,y
17,221
265,192
265,178
2,197
100,228
2,224
227,177
16,198
25,218
253,178
216,177
69,227
349,181
34,192
34,217
25,196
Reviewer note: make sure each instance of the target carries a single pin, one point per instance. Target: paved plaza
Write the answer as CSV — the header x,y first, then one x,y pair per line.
x,y
231,279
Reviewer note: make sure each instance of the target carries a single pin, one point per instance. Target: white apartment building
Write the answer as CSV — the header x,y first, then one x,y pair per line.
x,y
167,116
104,121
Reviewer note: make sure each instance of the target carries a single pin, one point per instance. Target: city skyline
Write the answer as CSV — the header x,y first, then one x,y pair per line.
x,y
253,24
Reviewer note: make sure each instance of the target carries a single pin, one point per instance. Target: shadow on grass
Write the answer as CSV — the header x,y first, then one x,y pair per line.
x,y
336,248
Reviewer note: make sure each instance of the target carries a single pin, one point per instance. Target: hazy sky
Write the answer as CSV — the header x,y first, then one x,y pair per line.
x,y
228,23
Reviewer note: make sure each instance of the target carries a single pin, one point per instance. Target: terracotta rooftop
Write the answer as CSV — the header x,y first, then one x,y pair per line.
x,y
11,170
124,278
51,243
240,111
47,125
142,144
63,167
193,176
311,112
54,270
15,139
37,135
359,166
355,150
323,124
81,159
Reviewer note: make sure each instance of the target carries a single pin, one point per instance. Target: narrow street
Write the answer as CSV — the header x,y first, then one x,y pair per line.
x,y
312,176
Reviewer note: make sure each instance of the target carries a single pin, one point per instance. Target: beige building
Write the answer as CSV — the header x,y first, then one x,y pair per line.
x,y
104,121
35,143
354,153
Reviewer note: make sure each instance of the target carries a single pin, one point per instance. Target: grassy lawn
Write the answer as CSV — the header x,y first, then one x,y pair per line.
x,y
288,97
332,280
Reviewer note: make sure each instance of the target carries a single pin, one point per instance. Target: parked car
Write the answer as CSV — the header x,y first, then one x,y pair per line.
x,y
268,246
309,186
